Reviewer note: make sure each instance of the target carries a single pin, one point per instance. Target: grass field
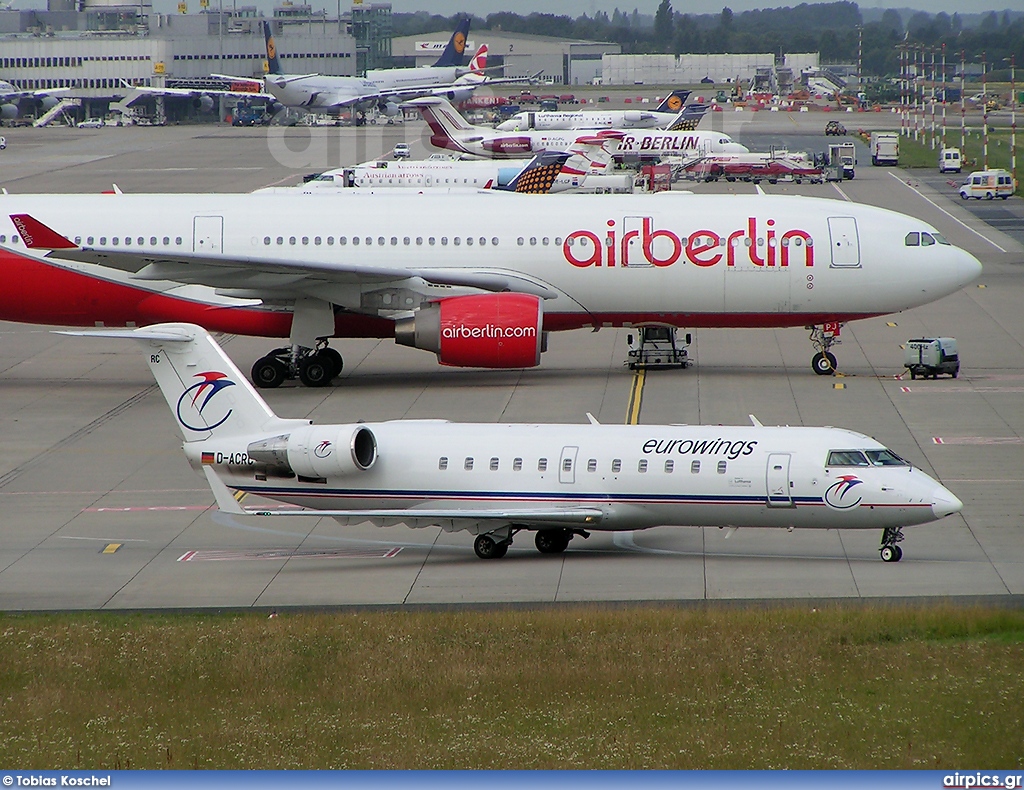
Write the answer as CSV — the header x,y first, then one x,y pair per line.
x,y
589,687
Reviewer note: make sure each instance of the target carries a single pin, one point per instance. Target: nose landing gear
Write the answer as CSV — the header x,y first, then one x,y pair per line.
x,y
890,551
823,338
314,367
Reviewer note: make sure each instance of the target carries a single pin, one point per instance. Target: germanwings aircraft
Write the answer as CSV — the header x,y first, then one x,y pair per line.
x,y
449,130
665,116
478,278
587,164
558,481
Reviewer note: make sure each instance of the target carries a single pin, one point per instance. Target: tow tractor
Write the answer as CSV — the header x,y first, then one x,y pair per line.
x,y
657,347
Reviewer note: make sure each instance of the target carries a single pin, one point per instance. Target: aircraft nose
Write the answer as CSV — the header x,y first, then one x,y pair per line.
x,y
945,503
968,267
736,148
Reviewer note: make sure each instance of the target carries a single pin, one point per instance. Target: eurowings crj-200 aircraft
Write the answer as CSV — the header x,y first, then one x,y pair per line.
x,y
560,481
586,166
449,130
662,117
478,278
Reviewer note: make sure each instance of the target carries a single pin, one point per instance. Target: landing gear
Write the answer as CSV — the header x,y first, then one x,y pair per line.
x,y
488,548
890,551
823,338
314,367
553,541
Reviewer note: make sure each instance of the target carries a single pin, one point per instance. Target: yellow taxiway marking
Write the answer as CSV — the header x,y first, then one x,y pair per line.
x,y
839,386
636,396
110,548
891,323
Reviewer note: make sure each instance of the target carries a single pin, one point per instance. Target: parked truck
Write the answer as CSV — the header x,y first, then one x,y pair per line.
x,y
885,148
843,157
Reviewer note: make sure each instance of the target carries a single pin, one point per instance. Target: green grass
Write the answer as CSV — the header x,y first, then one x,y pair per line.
x,y
586,687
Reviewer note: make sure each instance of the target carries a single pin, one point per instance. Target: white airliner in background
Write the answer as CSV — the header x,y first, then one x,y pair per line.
x,y
665,116
559,481
449,130
586,168
477,278
12,98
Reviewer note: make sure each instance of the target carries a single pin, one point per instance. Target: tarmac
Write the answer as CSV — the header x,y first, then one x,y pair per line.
x,y
101,511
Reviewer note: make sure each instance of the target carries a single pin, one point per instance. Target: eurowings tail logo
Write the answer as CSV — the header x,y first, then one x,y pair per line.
x,y
841,496
195,400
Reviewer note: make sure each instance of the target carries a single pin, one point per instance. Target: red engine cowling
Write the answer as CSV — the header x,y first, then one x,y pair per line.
x,y
501,330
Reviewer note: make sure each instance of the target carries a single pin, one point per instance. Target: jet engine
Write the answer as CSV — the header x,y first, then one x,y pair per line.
x,y
47,103
389,108
502,330
318,451
203,103
8,111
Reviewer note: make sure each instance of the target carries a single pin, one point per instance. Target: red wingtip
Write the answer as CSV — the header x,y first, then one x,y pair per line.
x,y
38,236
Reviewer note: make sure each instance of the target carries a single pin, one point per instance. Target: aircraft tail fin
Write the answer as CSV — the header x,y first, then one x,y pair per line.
x,y
205,391
478,63
273,64
591,154
688,118
674,101
447,126
455,53
539,175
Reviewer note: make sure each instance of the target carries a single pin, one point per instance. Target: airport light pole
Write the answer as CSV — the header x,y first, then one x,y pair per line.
x,y
984,112
1013,118
943,95
931,133
963,127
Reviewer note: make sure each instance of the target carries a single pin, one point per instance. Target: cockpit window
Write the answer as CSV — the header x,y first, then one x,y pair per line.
x,y
884,458
927,240
913,239
846,458
941,239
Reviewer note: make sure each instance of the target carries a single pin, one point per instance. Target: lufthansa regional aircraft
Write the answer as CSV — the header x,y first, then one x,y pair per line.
x,y
478,278
449,130
664,116
559,481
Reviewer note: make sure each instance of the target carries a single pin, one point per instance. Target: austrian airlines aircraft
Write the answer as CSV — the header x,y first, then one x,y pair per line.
x,y
477,278
663,117
559,481
449,130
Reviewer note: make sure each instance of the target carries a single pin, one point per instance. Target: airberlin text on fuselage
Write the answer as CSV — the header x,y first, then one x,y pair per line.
x,y
703,247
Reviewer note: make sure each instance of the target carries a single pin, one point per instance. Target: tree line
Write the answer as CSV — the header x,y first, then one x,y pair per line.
x,y
831,29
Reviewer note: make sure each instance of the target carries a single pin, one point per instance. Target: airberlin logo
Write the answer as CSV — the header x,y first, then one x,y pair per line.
x,y
841,495
198,398
463,332
644,245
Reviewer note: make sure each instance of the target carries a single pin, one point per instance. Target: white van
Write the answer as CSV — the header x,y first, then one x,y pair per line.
x,y
949,160
988,184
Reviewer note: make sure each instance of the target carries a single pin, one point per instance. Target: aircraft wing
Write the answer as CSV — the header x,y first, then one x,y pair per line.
x,y
39,94
258,274
258,94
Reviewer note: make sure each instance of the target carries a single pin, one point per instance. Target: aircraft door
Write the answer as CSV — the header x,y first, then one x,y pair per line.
x,y
778,482
567,465
631,246
208,235
845,244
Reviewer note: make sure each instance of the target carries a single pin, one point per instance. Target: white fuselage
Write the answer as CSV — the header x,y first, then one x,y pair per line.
x,y
686,260
636,476
587,119
317,91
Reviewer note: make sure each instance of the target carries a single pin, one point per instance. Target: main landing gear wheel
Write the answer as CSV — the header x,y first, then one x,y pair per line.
x,y
891,552
268,372
824,363
553,541
487,548
316,370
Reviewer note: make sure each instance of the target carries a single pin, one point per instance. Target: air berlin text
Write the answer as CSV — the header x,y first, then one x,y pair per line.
x,y
641,244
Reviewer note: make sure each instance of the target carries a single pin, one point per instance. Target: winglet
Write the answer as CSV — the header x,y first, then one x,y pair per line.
x,y
225,502
754,421
38,236
592,418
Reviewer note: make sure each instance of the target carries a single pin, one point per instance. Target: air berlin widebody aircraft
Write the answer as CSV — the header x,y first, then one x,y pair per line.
x,y
560,481
478,278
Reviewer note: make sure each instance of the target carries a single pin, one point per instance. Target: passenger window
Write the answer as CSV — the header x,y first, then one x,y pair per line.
x,y
343,240
305,240
368,241
494,241
617,466
533,241
566,464
380,241
167,240
266,240
442,463
695,468
406,241
103,240
355,240
721,467
330,241
456,241
494,464
517,464
520,241
394,241
430,241
317,241
913,239
642,466
592,465
483,241
670,465
177,240
468,465
927,240
542,465
141,241
846,458
444,241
